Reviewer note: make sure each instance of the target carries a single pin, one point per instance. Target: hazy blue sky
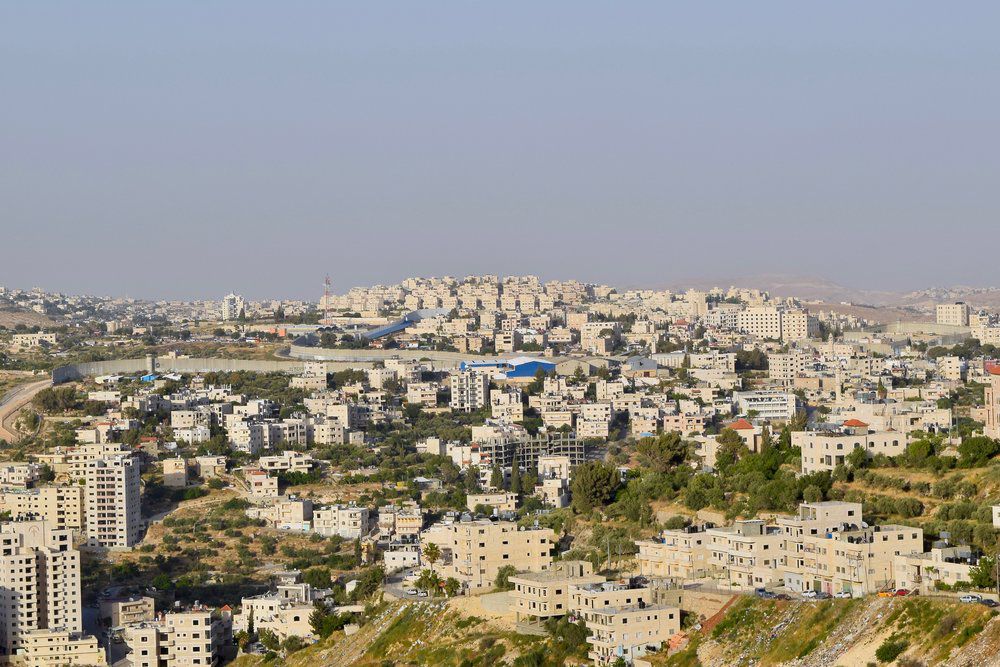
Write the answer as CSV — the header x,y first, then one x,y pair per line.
x,y
185,149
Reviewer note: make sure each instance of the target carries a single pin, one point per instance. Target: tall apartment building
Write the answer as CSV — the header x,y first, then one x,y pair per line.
x,y
39,582
776,323
785,367
761,322
953,314
798,325
991,396
232,305
112,508
470,391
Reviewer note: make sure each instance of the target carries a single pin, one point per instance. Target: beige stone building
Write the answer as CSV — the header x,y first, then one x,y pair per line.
x,y
26,341
60,648
422,393
992,402
537,596
61,506
502,502
175,473
404,521
348,521
953,314
625,620
858,560
261,485
287,461
123,611
40,580
923,571
748,552
825,450
193,638
474,551
683,554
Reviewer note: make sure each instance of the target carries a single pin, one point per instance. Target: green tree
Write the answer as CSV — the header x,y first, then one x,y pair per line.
x,y
594,485
269,639
857,458
502,581
983,575
452,587
471,480
496,477
432,553
731,449
515,479
977,450
812,494
664,452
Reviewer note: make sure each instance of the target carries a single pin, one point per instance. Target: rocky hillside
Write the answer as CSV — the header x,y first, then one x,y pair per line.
x,y
873,631
429,633
909,632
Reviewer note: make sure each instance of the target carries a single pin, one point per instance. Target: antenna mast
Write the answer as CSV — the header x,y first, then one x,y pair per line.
x,y
326,299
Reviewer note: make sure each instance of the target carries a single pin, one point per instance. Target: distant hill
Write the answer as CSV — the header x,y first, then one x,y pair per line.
x,y
804,287
11,316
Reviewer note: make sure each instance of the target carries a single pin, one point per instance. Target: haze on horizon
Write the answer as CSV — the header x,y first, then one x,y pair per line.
x,y
187,149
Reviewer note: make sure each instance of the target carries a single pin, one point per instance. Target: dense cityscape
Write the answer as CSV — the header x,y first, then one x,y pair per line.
x,y
472,334
589,473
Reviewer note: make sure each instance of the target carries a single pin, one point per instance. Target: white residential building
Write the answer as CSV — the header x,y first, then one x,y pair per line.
x,y
113,516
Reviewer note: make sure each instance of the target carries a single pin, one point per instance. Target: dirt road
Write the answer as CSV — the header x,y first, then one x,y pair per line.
x,y
12,402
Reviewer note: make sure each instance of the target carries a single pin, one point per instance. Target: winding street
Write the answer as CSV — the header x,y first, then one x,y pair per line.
x,y
12,402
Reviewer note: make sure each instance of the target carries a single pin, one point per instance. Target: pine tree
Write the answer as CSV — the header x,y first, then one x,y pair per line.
x,y
496,478
515,479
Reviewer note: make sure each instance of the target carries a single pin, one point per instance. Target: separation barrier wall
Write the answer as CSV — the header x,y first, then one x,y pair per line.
x,y
172,365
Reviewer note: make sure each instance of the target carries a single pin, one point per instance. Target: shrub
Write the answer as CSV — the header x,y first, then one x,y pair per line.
x,y
890,650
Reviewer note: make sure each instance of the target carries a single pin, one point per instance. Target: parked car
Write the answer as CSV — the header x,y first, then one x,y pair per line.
x,y
822,595
783,596
843,595
886,594
809,594
412,591
987,602
971,597
902,591
422,594
764,594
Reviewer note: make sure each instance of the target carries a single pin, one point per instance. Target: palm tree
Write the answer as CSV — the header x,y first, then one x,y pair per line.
x,y
432,553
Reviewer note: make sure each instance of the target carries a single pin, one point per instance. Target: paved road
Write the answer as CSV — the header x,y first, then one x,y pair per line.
x,y
394,585
12,403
